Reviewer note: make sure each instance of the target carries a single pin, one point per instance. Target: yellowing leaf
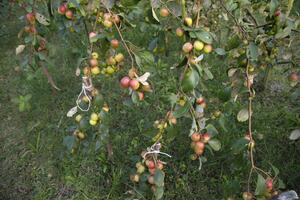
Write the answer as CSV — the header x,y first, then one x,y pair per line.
x,y
20,49
243,115
42,19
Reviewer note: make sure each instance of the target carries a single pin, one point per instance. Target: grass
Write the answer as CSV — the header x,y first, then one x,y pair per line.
x,y
35,164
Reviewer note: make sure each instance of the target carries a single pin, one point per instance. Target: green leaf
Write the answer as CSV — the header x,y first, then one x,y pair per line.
x,y
273,6
221,122
108,3
159,177
159,192
181,110
260,185
208,73
252,51
284,33
173,98
239,145
220,51
243,115
215,144
190,80
204,37
211,129
134,97
69,142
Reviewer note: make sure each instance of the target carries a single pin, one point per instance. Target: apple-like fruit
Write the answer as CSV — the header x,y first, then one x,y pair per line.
x,y
179,32
293,77
111,61
30,18
92,34
269,184
188,21
151,179
206,137
119,57
62,9
196,137
199,151
207,48
187,47
247,196
95,70
116,19
107,23
199,145
92,122
134,84
114,43
200,100
150,164
93,62
164,12
140,169
125,82
198,45
94,117
69,14
141,96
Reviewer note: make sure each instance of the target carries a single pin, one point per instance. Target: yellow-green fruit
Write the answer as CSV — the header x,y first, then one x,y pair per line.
x,y
85,99
81,135
78,118
207,48
119,57
94,117
110,70
107,23
198,45
92,122
140,169
95,70
111,61
188,21
95,55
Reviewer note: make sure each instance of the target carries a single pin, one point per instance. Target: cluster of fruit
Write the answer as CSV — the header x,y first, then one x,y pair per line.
x,y
133,82
64,10
30,17
109,67
198,143
154,174
108,19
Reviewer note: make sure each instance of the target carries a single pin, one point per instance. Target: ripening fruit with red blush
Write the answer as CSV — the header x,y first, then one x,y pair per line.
x,y
141,96
30,18
114,43
199,145
200,100
134,84
151,179
125,82
152,171
269,184
69,14
116,19
179,32
93,62
277,13
247,196
207,48
160,165
150,164
293,77
187,47
206,137
196,137
92,34
199,152
164,12
62,9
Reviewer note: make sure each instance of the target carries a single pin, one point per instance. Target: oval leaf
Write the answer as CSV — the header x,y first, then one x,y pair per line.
x,y
295,134
215,144
243,115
